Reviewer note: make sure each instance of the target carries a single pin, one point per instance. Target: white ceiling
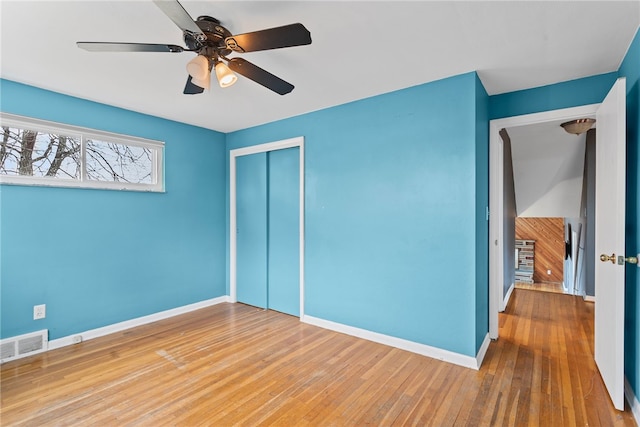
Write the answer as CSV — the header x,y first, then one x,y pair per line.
x,y
548,167
359,49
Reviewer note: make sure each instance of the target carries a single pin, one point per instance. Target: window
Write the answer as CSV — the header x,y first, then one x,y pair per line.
x,y
36,152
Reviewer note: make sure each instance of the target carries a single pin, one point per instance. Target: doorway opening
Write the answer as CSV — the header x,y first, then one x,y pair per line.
x,y
502,252
609,272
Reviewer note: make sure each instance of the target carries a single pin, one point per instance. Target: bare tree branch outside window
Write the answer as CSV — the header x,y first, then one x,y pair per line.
x,y
108,161
31,153
42,153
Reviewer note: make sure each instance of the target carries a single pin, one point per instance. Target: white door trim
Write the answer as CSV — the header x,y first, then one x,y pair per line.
x,y
496,189
233,154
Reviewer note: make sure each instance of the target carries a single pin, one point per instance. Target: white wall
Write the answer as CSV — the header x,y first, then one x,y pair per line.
x,y
548,166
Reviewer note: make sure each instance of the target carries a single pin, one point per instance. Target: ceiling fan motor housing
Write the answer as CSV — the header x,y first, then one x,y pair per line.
x,y
215,33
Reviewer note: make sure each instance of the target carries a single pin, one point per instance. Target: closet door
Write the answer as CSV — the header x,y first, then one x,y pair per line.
x,y
284,231
251,229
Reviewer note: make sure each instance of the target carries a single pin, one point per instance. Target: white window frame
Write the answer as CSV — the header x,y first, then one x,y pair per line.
x,y
84,134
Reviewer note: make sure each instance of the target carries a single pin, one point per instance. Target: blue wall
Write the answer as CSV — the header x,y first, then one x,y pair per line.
x,y
482,204
395,185
630,69
573,93
98,257
392,207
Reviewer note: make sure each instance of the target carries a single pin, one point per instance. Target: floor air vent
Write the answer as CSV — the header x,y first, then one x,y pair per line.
x,y
23,345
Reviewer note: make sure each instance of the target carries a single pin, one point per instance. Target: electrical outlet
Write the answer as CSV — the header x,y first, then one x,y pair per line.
x,y
77,339
39,311
549,272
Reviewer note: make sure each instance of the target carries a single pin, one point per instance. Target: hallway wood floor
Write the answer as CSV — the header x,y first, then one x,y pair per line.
x,y
543,286
233,364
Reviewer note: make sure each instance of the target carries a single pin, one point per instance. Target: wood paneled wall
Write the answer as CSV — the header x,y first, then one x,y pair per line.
x,y
549,251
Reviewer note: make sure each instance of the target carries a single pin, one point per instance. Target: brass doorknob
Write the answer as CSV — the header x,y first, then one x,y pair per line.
x,y
605,258
632,259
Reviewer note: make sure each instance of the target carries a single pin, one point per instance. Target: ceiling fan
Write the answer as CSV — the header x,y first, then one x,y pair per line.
x,y
213,43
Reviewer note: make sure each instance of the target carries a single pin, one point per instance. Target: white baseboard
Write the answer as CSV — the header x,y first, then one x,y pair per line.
x,y
589,298
507,297
414,347
127,324
423,349
633,400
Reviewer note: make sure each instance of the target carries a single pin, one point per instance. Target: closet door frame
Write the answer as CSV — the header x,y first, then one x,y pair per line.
x,y
261,148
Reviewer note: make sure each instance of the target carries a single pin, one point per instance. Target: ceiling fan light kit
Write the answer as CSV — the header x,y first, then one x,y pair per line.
x,y
213,43
198,67
225,76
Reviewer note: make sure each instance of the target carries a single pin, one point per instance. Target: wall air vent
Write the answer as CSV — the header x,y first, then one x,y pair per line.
x,y
23,345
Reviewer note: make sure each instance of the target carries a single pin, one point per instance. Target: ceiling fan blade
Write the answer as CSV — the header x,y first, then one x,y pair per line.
x,y
174,10
128,47
191,89
258,75
272,38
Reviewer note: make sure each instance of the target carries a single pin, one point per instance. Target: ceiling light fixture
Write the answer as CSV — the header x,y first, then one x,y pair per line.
x,y
578,126
225,76
198,67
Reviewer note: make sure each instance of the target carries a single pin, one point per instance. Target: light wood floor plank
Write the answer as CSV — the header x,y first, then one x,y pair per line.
x,y
232,364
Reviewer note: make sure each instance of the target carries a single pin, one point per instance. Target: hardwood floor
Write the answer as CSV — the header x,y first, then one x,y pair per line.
x,y
233,364
542,286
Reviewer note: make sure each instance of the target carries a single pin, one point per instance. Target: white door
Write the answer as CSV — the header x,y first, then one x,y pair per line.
x,y
609,241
